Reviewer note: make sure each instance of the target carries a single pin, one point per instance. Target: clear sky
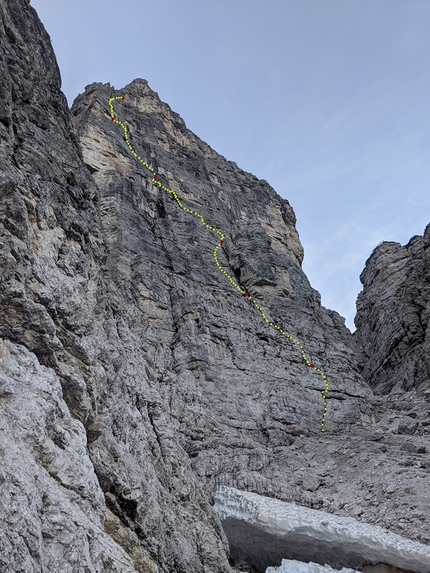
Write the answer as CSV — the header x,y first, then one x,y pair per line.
x,y
328,100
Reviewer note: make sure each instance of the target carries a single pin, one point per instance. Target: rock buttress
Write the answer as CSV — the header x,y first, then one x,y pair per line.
x,y
393,312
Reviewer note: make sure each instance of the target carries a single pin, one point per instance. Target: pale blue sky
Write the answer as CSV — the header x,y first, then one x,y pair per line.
x,y
328,100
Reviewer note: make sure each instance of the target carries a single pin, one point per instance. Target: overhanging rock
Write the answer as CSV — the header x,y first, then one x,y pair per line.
x,y
262,531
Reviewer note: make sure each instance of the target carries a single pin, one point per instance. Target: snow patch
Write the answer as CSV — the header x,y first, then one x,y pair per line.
x,y
288,566
263,531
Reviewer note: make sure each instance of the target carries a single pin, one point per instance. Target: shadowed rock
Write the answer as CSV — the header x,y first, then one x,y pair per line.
x,y
393,312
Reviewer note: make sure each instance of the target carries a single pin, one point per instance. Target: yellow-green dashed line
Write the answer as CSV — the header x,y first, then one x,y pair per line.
x,y
155,180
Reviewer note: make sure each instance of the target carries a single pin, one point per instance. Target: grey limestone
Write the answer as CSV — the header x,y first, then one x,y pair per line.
x,y
393,316
134,378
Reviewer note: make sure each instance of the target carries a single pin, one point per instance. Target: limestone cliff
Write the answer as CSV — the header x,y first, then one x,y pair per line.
x,y
134,378
393,316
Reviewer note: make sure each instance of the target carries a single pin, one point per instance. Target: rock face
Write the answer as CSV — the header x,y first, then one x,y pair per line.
x,y
393,316
134,378
293,566
184,308
52,506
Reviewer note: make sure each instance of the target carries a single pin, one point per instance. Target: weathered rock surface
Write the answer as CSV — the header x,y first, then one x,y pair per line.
x,y
231,383
134,379
393,316
52,506
193,320
58,302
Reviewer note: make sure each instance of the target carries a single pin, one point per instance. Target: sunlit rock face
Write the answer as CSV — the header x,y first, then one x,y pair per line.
x,y
262,531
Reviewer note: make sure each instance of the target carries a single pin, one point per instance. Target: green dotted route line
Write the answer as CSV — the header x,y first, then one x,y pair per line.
x,y
242,291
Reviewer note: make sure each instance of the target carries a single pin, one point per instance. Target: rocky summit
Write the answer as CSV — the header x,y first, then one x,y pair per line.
x,y
137,380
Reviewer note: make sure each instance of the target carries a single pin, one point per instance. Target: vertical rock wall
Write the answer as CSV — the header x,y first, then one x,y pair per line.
x,y
60,327
202,328
393,316
133,377
52,508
